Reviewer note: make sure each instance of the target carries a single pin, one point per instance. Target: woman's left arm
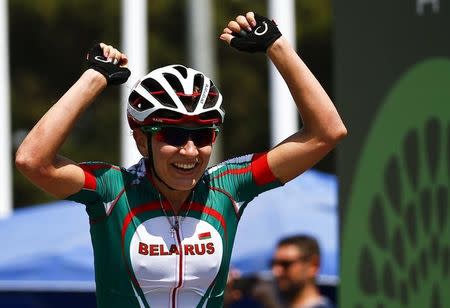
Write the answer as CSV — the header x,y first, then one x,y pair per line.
x,y
322,126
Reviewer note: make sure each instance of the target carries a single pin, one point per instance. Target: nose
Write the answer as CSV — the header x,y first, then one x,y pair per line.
x,y
189,149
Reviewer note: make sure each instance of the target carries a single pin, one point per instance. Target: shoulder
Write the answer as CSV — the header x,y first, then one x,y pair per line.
x,y
233,163
251,168
256,165
107,172
95,166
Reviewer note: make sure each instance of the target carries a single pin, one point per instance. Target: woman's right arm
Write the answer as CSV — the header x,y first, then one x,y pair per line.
x,y
37,157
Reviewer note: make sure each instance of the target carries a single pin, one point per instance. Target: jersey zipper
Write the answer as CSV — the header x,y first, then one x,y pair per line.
x,y
180,269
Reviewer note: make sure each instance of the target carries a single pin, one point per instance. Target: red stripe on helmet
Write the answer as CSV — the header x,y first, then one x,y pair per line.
x,y
182,94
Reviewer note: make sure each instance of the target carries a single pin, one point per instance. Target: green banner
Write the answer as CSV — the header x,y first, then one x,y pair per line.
x,y
393,88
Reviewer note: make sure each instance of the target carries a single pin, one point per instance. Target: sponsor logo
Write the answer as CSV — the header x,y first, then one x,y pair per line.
x,y
101,59
188,249
204,94
258,30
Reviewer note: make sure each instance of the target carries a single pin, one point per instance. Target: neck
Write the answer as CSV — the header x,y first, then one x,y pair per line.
x,y
308,295
176,198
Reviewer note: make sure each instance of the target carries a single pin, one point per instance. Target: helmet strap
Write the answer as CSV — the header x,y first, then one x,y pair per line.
x,y
152,162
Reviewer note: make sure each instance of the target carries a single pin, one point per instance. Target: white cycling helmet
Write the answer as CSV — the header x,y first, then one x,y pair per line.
x,y
174,94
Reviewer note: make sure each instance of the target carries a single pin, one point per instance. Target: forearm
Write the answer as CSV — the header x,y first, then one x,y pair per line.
x,y
46,138
319,115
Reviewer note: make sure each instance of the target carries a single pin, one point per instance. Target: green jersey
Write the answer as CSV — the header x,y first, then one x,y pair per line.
x,y
141,258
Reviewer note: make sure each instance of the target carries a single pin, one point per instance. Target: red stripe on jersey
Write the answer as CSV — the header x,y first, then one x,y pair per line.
x,y
156,206
90,182
97,166
261,170
226,193
136,211
212,212
234,171
128,219
180,271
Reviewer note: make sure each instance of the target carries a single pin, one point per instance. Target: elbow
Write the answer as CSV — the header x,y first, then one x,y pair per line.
x,y
27,164
335,135
24,161
340,133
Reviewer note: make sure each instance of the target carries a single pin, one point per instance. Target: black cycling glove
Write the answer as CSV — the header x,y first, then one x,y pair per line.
x,y
113,73
259,39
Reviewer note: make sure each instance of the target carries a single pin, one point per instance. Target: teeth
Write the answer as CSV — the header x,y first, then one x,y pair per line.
x,y
185,166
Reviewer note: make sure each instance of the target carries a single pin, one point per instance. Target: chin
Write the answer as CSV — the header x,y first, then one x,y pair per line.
x,y
181,185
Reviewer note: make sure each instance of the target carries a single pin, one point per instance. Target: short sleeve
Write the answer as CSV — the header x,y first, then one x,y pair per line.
x,y
102,184
243,178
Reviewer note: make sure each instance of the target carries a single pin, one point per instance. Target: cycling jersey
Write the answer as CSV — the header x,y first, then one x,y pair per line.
x,y
140,259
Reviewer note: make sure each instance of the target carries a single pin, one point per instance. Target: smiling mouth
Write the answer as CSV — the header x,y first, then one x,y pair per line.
x,y
184,166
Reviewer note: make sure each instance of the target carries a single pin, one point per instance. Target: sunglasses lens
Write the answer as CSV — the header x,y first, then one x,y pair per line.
x,y
173,136
179,136
203,137
274,263
284,263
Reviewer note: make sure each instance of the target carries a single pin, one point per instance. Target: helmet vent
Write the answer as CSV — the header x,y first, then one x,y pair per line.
x,y
189,102
167,114
213,97
199,79
158,92
138,102
211,115
174,82
182,70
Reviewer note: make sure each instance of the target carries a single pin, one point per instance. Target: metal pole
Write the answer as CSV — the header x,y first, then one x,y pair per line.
x,y
134,44
283,113
5,114
202,49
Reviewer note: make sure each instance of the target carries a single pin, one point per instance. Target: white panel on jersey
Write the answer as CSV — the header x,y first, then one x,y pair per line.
x,y
156,263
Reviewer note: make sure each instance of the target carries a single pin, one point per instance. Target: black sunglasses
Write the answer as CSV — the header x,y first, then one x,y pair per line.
x,y
179,136
287,263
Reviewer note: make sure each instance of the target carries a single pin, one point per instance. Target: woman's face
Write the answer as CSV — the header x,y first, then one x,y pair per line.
x,y
180,167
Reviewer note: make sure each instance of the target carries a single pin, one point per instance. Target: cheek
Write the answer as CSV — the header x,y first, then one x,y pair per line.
x,y
161,152
164,153
205,152
141,143
205,155
299,272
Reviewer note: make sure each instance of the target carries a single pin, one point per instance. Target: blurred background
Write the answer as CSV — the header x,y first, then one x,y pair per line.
x,y
386,65
49,40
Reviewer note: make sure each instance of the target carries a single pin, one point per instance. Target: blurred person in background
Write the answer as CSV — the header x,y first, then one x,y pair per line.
x,y
249,292
163,230
295,267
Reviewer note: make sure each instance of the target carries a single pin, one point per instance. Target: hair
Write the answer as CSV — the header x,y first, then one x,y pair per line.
x,y
305,244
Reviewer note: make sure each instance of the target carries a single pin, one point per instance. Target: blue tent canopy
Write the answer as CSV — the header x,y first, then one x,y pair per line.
x,y
48,247
305,205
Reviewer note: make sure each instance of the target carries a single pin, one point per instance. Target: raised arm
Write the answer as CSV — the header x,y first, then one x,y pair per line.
x,y
37,157
322,126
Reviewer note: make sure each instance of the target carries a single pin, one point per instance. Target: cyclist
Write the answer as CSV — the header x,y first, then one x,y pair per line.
x,y
163,230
